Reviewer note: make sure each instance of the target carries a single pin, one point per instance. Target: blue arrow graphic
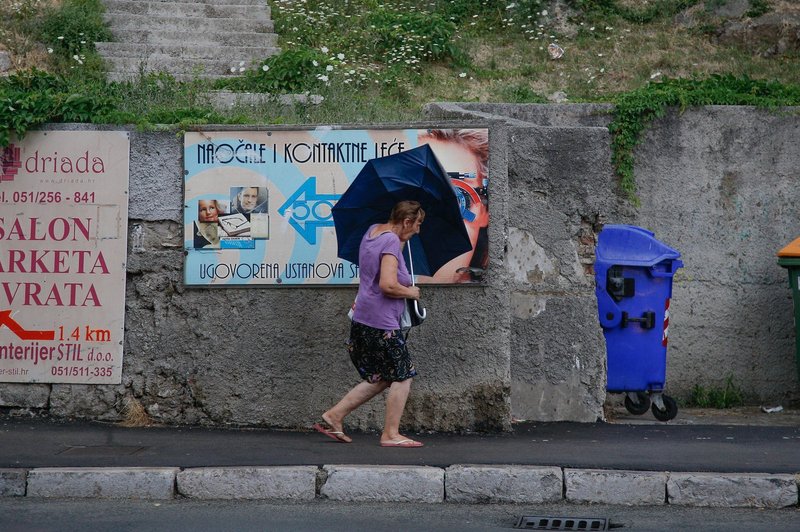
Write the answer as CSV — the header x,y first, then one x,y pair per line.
x,y
303,205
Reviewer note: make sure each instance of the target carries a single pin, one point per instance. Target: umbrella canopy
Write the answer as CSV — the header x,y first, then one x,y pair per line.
x,y
410,175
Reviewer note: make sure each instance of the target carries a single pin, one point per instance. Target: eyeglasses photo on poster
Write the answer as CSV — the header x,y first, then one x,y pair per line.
x,y
258,204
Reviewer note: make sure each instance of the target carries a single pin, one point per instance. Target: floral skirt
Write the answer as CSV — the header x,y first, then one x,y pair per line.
x,y
379,355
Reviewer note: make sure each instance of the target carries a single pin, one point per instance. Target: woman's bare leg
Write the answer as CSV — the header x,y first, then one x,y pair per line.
x,y
395,404
360,394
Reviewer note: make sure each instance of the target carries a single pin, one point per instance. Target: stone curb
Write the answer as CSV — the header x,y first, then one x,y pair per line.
x,y
627,488
383,483
456,484
102,482
296,483
503,484
753,490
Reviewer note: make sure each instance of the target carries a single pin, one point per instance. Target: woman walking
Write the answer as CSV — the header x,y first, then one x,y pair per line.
x,y
377,347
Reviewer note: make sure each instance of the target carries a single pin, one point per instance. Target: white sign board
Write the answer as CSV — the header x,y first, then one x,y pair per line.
x,y
63,244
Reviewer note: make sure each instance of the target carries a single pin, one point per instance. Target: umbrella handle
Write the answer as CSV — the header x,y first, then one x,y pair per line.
x,y
420,314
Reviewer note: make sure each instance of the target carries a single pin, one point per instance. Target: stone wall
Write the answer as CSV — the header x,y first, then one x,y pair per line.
x,y
719,184
242,356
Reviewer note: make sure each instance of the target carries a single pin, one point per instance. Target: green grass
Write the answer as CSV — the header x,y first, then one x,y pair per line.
x,y
373,61
728,396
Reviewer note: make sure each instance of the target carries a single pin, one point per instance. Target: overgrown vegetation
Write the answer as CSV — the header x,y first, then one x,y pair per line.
x,y
729,396
374,61
636,109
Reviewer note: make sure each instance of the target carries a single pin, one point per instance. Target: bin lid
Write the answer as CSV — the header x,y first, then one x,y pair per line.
x,y
631,245
791,250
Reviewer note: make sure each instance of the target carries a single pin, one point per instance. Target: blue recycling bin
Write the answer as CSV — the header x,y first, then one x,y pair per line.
x,y
634,274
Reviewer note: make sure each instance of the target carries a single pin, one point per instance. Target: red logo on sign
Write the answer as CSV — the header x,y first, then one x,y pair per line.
x,y
10,163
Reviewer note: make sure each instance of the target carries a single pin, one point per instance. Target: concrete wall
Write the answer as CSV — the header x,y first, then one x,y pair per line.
x,y
719,184
722,185
242,356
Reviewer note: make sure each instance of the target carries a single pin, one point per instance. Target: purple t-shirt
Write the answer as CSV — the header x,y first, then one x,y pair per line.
x,y
373,308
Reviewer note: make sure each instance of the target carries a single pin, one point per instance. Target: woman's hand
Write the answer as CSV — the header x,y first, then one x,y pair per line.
x,y
414,292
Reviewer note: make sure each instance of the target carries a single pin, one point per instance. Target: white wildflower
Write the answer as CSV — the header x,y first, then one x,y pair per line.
x,y
265,68
462,75
324,49
329,68
315,63
340,57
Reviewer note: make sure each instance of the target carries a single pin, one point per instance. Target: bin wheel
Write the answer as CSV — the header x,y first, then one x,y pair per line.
x,y
670,409
637,409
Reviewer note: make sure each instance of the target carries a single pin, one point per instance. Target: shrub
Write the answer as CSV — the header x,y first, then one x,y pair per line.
x,y
72,28
30,98
296,70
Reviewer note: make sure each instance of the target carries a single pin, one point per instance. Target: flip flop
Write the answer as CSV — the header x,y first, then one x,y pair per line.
x,y
335,434
402,443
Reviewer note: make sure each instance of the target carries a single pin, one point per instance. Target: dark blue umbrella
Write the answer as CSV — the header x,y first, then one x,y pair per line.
x,y
410,175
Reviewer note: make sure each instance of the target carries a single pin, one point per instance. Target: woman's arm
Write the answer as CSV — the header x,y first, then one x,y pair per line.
x,y
388,282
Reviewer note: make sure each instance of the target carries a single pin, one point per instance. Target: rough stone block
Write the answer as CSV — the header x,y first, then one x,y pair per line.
x,y
12,482
298,483
24,395
492,484
627,488
752,490
384,483
5,61
103,482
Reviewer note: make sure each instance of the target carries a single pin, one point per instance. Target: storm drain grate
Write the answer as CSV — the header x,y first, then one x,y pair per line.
x,y
544,522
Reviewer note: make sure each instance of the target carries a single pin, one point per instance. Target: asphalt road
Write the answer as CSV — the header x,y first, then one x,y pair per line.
x,y
38,515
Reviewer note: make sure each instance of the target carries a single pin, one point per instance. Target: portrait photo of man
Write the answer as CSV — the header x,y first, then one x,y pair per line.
x,y
248,200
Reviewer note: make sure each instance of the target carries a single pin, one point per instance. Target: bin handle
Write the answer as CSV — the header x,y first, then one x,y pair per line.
x,y
673,267
612,316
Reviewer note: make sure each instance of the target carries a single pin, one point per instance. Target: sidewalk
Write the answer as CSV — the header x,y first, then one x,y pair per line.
x,y
719,458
